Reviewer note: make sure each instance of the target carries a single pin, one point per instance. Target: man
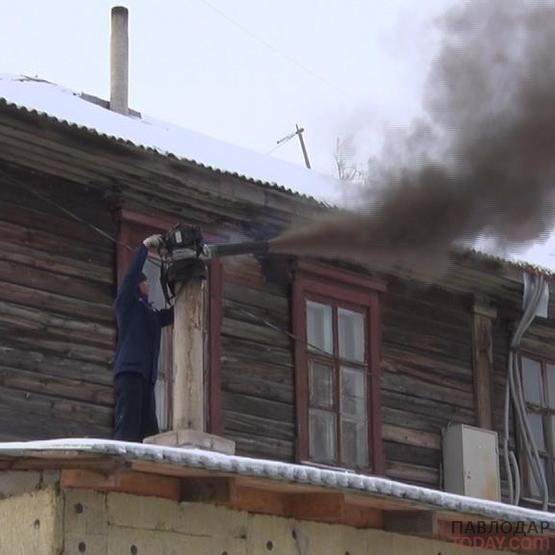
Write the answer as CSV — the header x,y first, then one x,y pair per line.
x,y
136,360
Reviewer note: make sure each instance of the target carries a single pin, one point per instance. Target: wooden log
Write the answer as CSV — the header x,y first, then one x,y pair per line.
x,y
16,378
238,349
51,365
261,446
258,426
188,389
407,436
87,332
56,283
417,388
57,303
255,406
260,387
412,473
255,332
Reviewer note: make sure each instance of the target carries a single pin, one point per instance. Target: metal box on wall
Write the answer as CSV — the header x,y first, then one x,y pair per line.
x,y
471,462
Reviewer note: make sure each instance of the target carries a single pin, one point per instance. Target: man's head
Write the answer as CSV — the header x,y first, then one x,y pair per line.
x,y
143,286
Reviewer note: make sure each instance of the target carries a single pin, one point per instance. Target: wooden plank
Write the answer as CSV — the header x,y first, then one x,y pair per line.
x,y
413,523
262,386
258,426
258,333
216,490
482,358
417,388
411,437
267,300
51,365
57,303
124,481
412,473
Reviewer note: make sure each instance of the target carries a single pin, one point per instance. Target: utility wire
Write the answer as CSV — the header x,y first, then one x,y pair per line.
x,y
276,51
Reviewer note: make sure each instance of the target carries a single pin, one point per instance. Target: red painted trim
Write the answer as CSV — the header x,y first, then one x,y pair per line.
x,y
215,314
336,275
307,285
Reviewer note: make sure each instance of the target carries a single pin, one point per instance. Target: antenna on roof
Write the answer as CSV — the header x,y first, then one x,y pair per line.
x,y
299,132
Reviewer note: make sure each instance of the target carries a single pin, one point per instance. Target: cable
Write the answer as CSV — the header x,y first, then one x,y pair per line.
x,y
514,389
276,51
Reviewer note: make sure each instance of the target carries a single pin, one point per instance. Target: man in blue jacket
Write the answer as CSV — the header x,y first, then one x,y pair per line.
x,y
136,360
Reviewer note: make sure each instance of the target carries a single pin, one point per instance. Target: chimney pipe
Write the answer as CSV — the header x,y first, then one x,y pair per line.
x,y
119,61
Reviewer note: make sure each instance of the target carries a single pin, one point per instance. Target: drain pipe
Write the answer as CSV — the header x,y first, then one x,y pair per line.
x,y
119,61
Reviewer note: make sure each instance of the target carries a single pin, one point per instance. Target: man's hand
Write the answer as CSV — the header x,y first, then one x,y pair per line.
x,y
153,242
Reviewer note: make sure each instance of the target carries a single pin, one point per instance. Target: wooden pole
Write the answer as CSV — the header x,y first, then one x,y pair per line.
x,y
188,389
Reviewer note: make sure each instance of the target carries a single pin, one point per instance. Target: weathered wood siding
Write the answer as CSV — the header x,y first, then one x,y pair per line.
x,y
56,323
258,400
426,377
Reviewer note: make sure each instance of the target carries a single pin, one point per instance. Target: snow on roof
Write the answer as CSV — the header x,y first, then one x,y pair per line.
x,y
279,471
48,99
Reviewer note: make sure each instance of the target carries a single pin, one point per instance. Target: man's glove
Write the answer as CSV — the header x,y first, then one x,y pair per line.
x,y
153,242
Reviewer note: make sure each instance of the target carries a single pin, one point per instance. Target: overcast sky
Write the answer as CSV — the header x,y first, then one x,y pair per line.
x,y
245,71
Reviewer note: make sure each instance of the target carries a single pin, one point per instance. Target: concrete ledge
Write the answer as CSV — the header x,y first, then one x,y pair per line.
x,y
193,438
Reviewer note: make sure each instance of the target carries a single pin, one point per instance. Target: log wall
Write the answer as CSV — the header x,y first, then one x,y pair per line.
x,y
257,366
57,331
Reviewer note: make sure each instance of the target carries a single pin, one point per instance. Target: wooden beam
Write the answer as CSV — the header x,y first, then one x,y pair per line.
x,y
482,359
220,491
135,483
414,523
324,507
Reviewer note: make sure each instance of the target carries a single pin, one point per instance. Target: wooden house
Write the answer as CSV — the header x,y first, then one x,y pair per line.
x,y
319,363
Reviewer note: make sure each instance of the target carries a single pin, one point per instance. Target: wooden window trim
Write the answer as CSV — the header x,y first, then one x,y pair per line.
x,y
331,283
160,224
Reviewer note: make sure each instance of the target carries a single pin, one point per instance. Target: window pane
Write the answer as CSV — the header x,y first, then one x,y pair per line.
x,y
535,488
322,435
319,326
353,392
551,384
321,385
536,425
354,443
532,380
351,335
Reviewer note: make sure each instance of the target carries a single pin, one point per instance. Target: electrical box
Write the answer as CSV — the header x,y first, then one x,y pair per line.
x,y
471,462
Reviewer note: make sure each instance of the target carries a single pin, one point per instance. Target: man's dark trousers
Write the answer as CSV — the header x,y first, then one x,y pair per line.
x,y
135,416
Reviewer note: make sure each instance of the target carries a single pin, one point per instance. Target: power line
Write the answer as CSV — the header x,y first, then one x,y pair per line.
x,y
276,50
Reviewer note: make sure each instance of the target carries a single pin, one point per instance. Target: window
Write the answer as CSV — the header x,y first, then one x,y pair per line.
x,y
538,381
337,330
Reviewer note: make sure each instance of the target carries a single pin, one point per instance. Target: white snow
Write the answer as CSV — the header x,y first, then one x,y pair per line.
x,y
68,106
274,470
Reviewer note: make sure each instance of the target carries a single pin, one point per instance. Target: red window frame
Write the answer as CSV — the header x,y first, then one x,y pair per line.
x,y
133,228
340,289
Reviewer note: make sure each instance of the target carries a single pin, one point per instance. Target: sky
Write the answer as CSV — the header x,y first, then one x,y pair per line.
x,y
246,71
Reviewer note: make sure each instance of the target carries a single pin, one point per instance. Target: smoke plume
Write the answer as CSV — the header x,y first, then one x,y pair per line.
x,y
482,161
